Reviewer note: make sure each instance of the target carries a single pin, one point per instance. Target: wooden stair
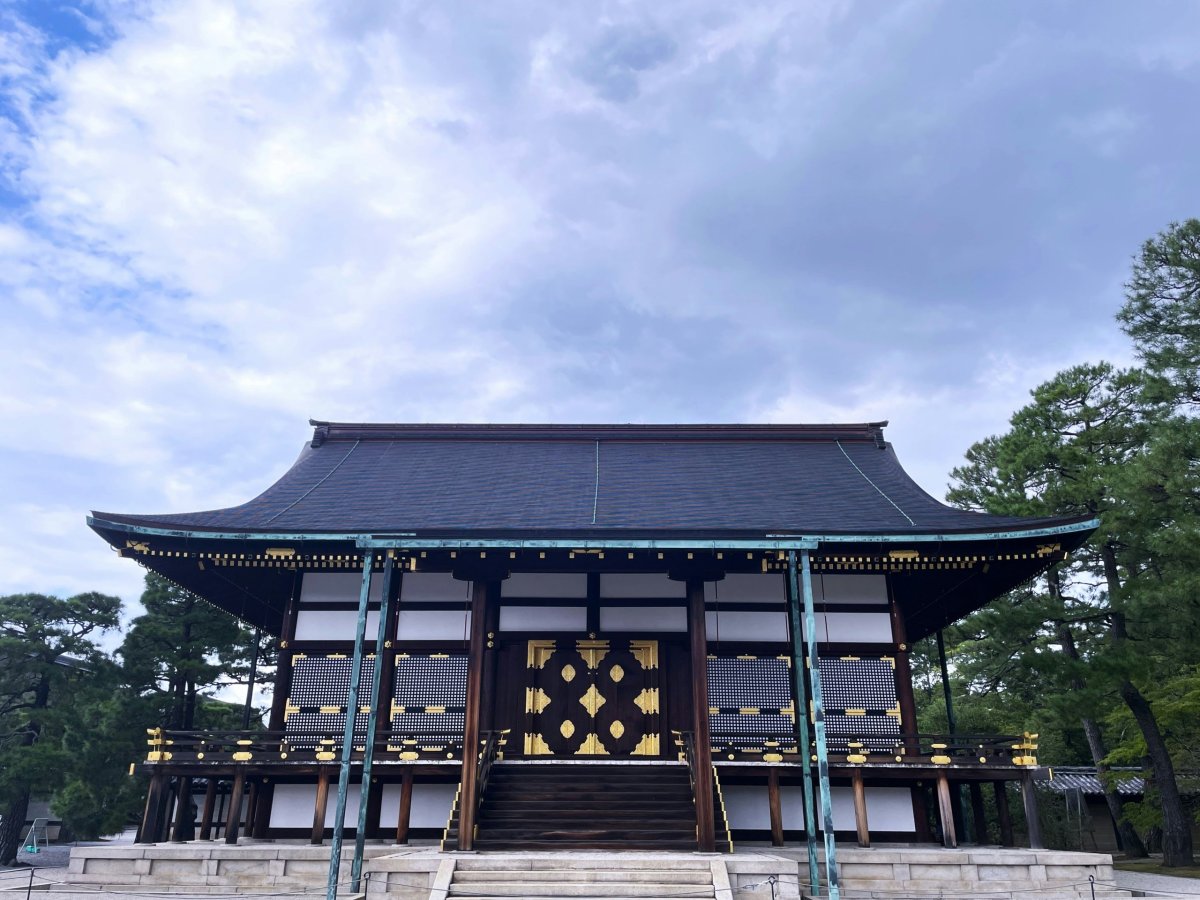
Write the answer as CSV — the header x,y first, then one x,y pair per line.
x,y
586,807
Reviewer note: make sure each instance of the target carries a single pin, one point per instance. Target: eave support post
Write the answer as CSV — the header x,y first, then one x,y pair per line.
x,y
803,740
339,820
814,674
360,834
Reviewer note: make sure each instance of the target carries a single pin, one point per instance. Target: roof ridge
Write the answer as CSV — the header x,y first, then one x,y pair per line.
x,y
358,431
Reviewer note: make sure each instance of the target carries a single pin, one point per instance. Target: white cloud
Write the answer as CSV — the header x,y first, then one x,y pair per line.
x,y
233,216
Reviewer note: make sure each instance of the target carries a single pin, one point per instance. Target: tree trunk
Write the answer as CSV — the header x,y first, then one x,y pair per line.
x,y
1177,831
11,828
1177,827
1127,835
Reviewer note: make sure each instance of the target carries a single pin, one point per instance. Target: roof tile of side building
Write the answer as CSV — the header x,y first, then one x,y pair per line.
x,y
576,479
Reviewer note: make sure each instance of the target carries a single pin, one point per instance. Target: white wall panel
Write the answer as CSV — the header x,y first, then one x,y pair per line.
x,y
433,587
864,589
293,804
643,618
552,585
543,618
746,588
747,806
637,585
791,804
430,806
333,625
728,625
854,628
890,809
338,587
433,624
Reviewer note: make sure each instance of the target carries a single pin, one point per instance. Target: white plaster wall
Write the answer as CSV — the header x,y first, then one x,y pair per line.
x,y
433,624
333,625
430,805
553,585
746,588
643,618
731,625
293,804
433,587
864,589
888,809
637,585
747,805
543,618
854,627
338,587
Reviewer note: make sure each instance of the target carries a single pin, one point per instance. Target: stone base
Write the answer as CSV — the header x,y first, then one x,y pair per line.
x,y
754,873
888,871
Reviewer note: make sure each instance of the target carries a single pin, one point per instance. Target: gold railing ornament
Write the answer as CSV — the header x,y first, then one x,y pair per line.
x,y
157,742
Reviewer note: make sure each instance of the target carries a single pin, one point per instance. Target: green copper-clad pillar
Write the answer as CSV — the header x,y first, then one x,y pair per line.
x,y
360,834
339,821
814,674
803,740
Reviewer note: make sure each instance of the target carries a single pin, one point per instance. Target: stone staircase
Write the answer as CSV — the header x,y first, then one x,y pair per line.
x,y
592,807
589,877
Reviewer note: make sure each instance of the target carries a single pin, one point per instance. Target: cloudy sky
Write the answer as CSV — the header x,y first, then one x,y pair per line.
x,y
218,219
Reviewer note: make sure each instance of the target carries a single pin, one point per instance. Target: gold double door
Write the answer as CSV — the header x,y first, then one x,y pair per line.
x,y
592,697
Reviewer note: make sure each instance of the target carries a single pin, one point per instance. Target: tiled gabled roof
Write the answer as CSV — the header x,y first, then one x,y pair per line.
x,y
592,479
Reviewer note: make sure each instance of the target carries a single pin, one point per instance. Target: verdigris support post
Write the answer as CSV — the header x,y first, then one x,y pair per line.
x,y
814,674
360,835
339,819
802,733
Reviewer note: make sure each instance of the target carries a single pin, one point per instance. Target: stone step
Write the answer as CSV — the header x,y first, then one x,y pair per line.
x,y
583,861
624,876
658,889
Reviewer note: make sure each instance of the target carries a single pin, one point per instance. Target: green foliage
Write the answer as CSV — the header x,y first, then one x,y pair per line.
x,y
1113,637
180,645
49,658
1162,309
72,719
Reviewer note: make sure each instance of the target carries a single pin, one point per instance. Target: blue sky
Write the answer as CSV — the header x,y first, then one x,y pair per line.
x,y
218,219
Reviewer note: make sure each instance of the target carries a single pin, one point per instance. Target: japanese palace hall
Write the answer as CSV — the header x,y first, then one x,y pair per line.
x,y
601,636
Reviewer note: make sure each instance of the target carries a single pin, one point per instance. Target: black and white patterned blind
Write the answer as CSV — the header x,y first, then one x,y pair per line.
x,y
316,706
430,699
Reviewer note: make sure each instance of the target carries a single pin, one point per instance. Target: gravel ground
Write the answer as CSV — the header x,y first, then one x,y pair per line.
x,y
1161,885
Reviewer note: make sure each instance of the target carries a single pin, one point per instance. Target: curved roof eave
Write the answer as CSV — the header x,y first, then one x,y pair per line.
x,y
1034,528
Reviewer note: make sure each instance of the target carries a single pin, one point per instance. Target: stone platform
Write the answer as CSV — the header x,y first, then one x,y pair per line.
x,y
755,872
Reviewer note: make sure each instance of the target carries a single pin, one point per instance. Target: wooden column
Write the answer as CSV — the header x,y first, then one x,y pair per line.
x,y
861,825
1032,824
946,811
978,813
698,634
184,829
904,685
234,823
152,815
321,805
262,809
402,820
206,814
252,806
776,806
283,672
1003,816
921,812
482,594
